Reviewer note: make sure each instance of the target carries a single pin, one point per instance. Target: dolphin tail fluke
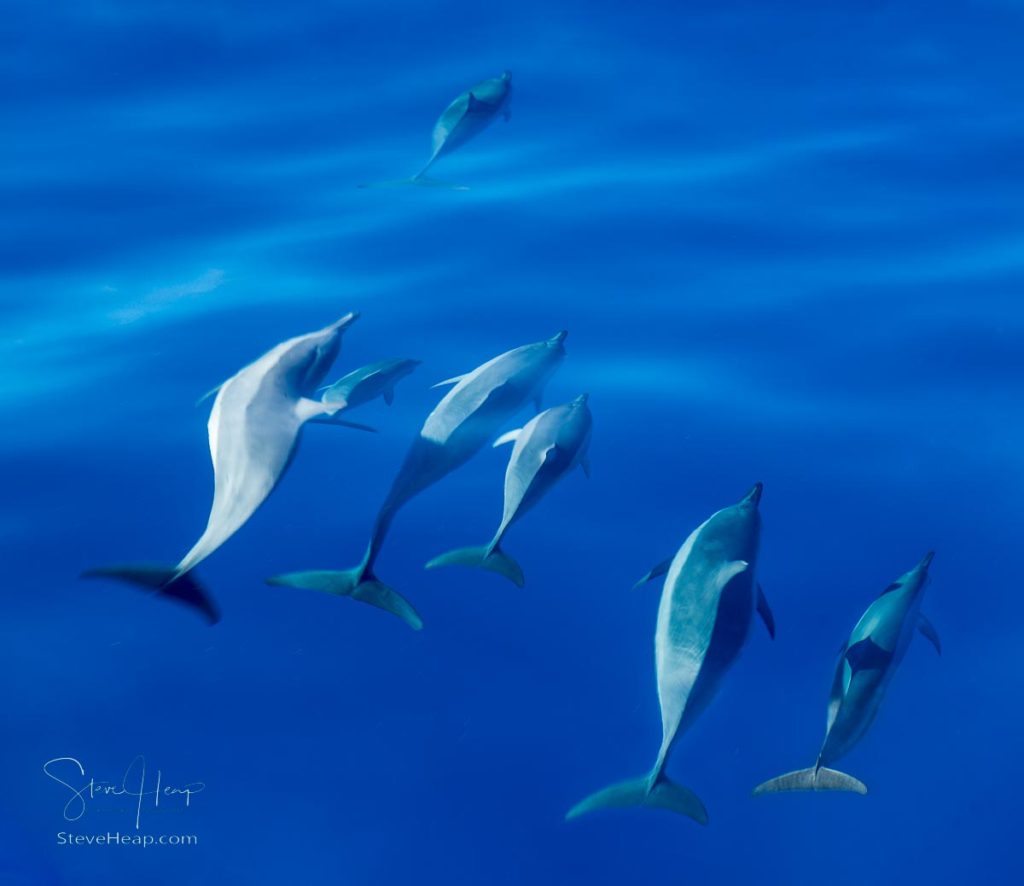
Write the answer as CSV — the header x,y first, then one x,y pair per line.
x,y
165,581
491,558
355,583
813,779
664,794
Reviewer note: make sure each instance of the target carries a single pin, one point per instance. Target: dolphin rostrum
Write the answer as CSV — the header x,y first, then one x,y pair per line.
x,y
469,415
467,116
369,382
866,664
546,448
253,428
707,605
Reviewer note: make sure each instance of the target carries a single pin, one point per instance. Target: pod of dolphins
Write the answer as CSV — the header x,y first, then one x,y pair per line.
x,y
710,590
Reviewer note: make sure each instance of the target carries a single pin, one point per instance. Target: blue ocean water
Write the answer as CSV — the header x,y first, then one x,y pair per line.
x,y
788,245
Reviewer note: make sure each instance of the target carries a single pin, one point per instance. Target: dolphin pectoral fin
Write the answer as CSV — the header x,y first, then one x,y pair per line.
x,y
210,393
765,612
507,437
389,396
307,409
166,582
927,630
664,794
493,559
654,572
357,584
585,464
342,423
813,779
454,380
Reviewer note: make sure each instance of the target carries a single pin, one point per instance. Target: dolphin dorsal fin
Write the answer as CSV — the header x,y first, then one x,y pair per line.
x,y
454,380
927,630
389,396
475,106
507,437
728,571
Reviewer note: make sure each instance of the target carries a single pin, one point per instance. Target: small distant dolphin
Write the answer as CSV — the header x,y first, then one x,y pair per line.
x,y
467,116
468,416
253,428
369,382
546,448
707,605
866,664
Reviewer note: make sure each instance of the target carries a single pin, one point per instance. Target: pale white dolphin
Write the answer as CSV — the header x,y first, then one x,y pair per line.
x,y
469,415
547,447
369,382
867,662
466,117
253,429
707,605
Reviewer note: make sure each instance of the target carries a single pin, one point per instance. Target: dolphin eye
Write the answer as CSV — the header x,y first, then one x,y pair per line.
x,y
895,586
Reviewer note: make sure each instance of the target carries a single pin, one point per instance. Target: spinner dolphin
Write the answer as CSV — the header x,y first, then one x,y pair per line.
x,y
254,426
546,448
707,604
466,117
867,662
469,415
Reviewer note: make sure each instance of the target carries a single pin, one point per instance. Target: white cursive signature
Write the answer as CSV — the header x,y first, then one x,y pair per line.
x,y
133,784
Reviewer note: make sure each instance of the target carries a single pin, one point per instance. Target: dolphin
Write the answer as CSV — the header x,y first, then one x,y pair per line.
x,y
867,661
369,382
469,415
253,428
547,447
466,117
707,605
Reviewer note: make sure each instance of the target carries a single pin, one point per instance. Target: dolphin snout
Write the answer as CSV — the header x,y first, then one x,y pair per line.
x,y
926,560
581,399
347,320
755,493
558,337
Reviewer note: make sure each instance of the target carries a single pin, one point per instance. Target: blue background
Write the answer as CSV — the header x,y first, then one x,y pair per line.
x,y
788,243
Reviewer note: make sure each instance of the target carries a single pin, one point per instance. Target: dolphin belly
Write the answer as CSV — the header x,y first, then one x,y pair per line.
x,y
855,714
253,437
732,627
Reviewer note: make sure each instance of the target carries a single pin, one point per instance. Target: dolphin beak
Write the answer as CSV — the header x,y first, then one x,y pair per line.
x,y
926,561
558,337
347,320
581,399
755,493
